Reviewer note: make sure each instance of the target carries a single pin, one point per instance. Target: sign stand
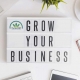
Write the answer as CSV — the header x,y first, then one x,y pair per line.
x,y
39,39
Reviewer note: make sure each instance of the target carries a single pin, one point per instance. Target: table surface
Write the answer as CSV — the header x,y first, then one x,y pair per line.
x,y
40,71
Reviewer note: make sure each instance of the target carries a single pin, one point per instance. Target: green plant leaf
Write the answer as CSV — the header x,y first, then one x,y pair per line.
x,y
51,2
43,6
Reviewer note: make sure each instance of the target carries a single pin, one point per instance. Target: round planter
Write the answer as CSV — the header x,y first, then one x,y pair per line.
x,y
77,9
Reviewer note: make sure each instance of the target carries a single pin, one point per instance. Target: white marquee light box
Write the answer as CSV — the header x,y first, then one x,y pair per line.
x,y
39,39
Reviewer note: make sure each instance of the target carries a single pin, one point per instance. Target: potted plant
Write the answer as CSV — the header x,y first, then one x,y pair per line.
x,y
51,2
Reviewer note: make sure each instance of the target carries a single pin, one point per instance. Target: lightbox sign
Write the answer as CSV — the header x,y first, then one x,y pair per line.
x,y
38,39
